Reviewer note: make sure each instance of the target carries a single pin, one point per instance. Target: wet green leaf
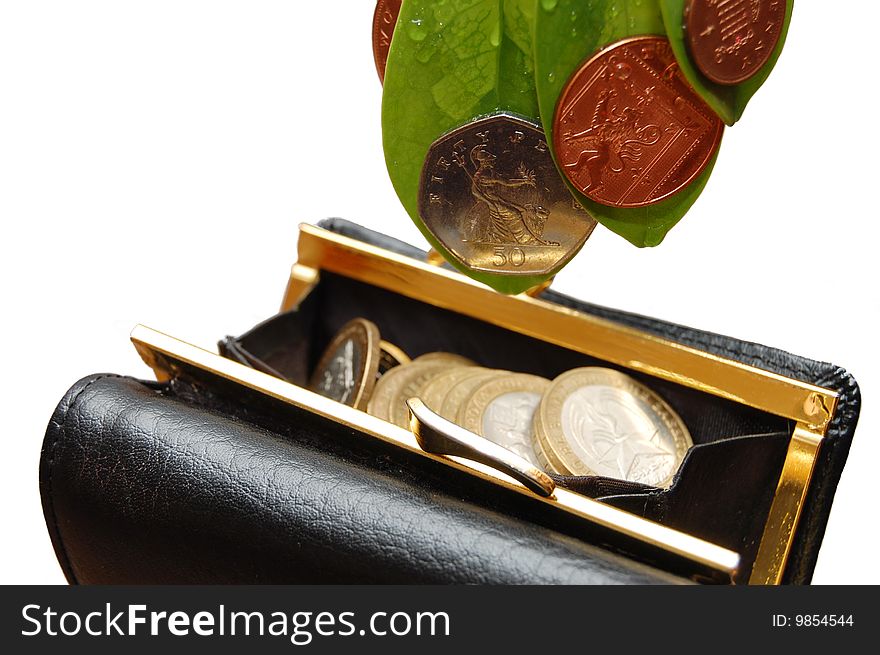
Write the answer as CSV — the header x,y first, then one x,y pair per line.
x,y
450,62
729,102
567,32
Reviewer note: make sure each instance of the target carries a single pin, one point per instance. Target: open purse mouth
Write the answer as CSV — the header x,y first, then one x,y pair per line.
x,y
732,511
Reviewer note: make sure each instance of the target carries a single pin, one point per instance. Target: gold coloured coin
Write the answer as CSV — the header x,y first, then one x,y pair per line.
x,y
410,384
380,402
435,392
461,391
548,464
502,410
451,359
597,421
391,356
390,394
347,370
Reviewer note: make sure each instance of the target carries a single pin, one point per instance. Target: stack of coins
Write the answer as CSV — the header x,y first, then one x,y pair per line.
x,y
587,422
598,421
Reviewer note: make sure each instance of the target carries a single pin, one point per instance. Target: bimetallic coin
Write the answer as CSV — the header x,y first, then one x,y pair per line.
x,y
347,370
502,410
731,40
491,194
460,391
450,359
390,356
597,421
384,21
411,385
548,463
435,392
380,402
629,131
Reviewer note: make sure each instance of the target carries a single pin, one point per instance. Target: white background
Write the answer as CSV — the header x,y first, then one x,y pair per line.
x,y
156,158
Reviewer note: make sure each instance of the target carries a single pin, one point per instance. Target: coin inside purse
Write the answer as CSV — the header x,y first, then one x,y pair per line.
x,y
723,489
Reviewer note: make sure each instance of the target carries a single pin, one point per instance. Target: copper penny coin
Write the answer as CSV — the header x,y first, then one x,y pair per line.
x,y
731,40
629,130
384,20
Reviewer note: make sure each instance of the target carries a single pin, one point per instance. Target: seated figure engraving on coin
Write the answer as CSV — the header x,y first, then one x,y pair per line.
x,y
503,213
492,196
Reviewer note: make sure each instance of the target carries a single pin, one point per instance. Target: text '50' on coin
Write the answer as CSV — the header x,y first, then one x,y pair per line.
x,y
598,421
629,130
731,40
491,194
384,21
348,368
502,410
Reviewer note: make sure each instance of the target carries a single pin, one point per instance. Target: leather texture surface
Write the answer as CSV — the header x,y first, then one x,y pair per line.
x,y
144,484
143,488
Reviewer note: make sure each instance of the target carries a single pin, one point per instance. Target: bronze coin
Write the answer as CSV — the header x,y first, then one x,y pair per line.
x,y
731,40
491,194
348,368
629,130
384,20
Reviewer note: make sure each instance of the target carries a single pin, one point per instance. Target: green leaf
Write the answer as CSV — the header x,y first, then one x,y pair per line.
x,y
567,33
729,102
449,63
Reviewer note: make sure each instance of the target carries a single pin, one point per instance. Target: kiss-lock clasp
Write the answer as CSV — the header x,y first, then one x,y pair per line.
x,y
439,436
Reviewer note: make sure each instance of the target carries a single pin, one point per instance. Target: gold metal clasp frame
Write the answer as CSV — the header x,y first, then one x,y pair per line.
x,y
809,406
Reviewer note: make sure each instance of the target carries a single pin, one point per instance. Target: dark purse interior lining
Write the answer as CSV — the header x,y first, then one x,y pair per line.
x,y
721,492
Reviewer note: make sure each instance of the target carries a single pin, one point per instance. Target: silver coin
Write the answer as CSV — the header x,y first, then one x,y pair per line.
x,y
602,422
493,197
502,410
611,432
508,422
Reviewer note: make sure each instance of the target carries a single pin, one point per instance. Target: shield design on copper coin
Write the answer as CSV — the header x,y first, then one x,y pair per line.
x,y
629,130
731,40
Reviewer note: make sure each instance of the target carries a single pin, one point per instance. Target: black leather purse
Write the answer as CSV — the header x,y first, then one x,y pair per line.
x,y
227,471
